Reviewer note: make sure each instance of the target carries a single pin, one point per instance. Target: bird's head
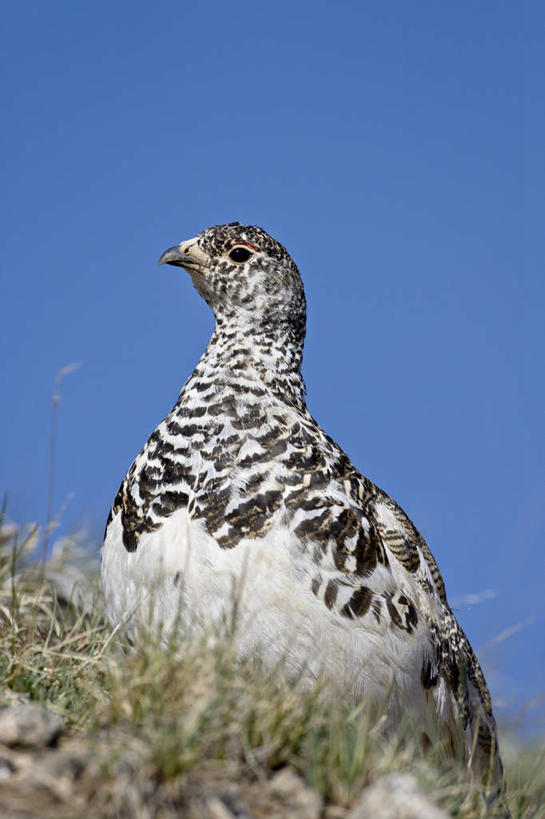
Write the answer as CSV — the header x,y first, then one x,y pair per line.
x,y
243,274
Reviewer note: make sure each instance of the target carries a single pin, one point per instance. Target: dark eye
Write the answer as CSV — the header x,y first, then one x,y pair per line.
x,y
240,254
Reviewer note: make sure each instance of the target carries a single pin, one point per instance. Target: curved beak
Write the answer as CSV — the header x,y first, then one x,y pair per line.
x,y
186,254
175,256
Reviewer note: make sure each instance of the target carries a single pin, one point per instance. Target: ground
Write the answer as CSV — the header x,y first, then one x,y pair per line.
x,y
90,726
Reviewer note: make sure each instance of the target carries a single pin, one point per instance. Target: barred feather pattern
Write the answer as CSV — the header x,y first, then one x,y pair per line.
x,y
239,466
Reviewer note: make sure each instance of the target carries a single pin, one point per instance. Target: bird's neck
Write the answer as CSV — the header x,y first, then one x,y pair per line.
x,y
255,356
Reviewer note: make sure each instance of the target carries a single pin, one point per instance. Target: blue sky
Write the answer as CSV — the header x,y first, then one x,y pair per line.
x,y
396,150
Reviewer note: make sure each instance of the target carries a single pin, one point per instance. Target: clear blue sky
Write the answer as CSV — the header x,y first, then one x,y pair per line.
x,y
397,150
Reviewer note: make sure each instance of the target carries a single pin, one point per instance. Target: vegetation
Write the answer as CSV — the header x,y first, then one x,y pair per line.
x,y
153,730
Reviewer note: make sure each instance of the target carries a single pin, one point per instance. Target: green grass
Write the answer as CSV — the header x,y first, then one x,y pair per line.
x,y
149,726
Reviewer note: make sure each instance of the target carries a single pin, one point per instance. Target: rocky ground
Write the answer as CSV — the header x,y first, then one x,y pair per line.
x,y
92,727
44,772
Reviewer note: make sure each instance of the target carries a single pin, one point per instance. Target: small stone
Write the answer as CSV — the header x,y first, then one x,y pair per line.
x,y
7,769
29,726
67,763
216,809
296,795
396,796
233,801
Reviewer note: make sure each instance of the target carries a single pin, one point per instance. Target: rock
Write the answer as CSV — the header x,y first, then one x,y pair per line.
x,y
216,809
29,726
227,805
7,768
295,795
285,796
68,763
396,796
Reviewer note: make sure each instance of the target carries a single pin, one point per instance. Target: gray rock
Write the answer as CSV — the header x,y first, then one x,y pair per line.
x,y
396,796
29,726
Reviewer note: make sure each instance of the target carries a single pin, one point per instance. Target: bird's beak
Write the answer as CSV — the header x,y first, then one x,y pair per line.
x,y
186,254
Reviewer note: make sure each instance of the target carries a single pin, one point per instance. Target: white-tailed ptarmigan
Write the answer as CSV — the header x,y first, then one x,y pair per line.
x,y
240,493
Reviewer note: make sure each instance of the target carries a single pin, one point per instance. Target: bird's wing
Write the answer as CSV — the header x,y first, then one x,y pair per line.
x,y
381,566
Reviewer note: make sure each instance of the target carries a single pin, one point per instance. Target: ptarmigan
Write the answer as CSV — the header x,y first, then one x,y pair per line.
x,y
240,494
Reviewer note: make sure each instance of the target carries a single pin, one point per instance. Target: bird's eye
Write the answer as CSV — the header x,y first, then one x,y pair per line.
x,y
240,254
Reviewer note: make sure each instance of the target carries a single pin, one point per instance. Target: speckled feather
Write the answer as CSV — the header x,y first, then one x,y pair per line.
x,y
239,465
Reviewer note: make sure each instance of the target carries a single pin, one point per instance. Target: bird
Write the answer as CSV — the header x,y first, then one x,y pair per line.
x,y
239,494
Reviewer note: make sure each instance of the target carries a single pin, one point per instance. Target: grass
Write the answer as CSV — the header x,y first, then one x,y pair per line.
x,y
150,729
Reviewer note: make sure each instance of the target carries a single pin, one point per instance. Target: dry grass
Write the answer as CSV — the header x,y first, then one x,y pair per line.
x,y
149,730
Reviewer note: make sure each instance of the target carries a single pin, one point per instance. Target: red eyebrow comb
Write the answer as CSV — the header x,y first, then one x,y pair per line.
x,y
245,244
